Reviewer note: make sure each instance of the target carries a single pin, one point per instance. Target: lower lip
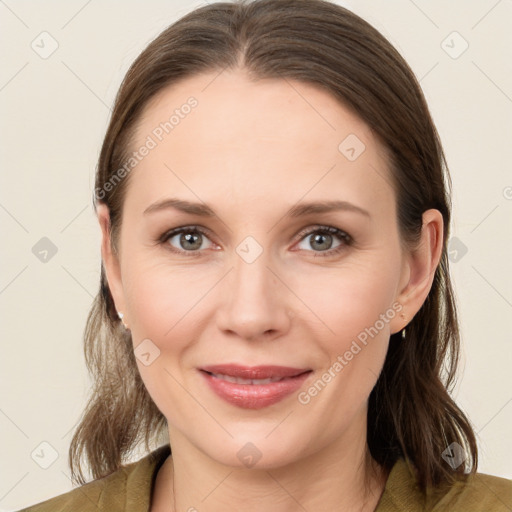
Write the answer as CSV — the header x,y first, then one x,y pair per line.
x,y
254,396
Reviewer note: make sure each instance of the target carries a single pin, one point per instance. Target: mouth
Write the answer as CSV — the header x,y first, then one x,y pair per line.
x,y
253,374
254,387
253,382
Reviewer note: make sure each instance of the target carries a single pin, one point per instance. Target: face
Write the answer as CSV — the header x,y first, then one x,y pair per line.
x,y
262,281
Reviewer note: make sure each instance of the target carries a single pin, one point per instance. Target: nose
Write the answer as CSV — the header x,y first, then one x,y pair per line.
x,y
254,303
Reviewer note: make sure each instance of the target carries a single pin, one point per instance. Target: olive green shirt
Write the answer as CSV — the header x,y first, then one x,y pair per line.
x,y
129,489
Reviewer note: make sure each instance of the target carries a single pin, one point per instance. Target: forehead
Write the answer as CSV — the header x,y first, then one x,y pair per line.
x,y
244,111
223,133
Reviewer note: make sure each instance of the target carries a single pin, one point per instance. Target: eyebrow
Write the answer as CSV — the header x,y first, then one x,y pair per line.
x,y
298,210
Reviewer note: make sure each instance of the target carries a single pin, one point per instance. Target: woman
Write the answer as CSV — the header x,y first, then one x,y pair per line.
x,y
275,294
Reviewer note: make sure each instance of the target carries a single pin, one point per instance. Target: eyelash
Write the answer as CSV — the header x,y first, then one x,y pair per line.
x,y
342,235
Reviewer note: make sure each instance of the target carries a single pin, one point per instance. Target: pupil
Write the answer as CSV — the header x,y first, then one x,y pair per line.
x,y
319,238
189,238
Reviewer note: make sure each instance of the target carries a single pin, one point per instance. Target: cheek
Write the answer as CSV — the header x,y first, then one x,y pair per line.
x,y
351,299
165,304
356,306
356,312
162,298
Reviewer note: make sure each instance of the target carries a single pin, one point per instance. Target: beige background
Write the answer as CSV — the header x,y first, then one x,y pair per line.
x,y
54,115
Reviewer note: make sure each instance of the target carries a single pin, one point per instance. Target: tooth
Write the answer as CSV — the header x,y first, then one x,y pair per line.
x,y
239,380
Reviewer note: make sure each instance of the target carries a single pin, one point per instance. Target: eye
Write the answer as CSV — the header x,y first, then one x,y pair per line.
x,y
185,239
191,240
323,239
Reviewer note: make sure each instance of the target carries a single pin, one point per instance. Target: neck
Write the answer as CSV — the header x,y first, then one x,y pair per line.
x,y
342,477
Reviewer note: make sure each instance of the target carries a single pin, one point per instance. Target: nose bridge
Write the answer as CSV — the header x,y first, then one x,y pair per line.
x,y
251,278
255,301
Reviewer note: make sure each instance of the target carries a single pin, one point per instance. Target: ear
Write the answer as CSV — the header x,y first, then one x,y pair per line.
x,y
110,259
420,265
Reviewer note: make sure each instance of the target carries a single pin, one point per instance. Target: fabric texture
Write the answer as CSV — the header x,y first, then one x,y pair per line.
x,y
129,489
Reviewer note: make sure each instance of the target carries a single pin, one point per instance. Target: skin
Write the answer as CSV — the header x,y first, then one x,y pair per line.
x,y
252,150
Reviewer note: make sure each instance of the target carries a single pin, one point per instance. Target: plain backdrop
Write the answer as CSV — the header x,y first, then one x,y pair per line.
x,y
55,110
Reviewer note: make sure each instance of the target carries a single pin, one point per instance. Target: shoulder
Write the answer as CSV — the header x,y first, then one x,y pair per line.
x,y
128,488
478,493
86,497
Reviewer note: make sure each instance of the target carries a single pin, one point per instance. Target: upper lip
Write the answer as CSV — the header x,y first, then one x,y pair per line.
x,y
254,372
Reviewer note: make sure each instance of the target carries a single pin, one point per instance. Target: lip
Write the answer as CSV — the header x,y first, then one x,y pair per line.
x,y
254,396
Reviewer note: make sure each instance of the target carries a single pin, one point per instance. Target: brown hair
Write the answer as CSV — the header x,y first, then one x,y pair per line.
x,y
411,413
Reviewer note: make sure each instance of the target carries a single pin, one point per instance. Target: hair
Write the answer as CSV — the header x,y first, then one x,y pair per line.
x,y
410,412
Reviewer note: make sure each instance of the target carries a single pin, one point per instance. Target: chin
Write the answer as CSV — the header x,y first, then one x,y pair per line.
x,y
258,449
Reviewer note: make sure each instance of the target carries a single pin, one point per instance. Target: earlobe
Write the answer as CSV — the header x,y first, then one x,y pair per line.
x,y
422,262
109,258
